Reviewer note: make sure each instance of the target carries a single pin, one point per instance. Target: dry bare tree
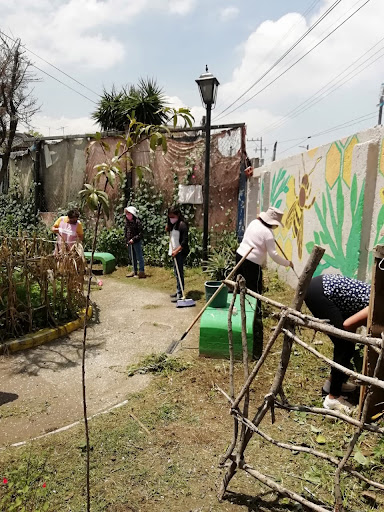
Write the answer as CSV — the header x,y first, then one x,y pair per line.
x,y
17,103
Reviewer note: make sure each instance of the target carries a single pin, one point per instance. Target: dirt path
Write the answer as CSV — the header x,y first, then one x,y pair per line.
x,y
40,389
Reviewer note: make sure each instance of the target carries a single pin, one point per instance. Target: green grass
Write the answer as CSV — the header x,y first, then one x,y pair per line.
x,y
175,466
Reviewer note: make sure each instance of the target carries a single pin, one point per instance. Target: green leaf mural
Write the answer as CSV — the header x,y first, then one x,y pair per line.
x,y
279,186
331,217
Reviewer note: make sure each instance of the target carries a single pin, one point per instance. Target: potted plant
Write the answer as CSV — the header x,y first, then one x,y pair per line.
x,y
218,266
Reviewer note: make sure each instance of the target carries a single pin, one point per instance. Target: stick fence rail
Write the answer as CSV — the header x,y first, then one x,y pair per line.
x,y
245,427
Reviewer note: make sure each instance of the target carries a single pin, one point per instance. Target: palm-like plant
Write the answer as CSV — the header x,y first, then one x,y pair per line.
x,y
146,101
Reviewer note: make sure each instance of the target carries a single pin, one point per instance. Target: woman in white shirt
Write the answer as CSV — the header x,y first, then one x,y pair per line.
x,y
259,236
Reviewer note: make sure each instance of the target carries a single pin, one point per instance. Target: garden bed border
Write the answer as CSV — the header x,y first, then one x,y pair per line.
x,y
44,335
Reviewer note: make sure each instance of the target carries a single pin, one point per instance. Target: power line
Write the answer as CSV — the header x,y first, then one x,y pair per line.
x,y
317,97
303,36
283,37
63,83
58,69
346,124
341,84
298,60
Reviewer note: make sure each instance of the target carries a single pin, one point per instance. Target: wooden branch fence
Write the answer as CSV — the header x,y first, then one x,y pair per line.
x,y
245,427
37,287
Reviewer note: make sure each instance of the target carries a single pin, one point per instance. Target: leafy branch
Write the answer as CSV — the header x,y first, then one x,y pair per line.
x,y
97,200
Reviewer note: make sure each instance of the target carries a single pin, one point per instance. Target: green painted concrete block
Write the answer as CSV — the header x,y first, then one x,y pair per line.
x,y
214,330
107,259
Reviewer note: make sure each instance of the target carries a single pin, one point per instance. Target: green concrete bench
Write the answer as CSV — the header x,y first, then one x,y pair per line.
x,y
108,260
214,330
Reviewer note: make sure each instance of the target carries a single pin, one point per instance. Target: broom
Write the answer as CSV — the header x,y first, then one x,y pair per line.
x,y
183,302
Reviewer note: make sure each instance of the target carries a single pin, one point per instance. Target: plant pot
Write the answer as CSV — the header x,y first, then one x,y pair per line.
x,y
220,301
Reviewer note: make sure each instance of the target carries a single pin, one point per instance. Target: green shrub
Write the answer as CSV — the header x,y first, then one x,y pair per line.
x,y
17,214
112,240
152,210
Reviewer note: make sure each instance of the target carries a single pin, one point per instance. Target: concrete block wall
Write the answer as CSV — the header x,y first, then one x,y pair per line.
x,y
332,195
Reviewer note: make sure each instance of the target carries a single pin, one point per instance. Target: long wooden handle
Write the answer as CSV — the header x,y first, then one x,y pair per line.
x,y
285,256
231,274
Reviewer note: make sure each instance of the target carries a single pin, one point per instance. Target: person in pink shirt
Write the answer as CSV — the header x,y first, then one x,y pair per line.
x,y
69,230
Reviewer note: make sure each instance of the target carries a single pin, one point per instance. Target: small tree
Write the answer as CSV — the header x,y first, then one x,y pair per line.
x,y
145,102
16,102
97,200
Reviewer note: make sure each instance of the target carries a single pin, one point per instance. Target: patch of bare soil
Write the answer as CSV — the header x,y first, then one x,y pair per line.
x,y
40,389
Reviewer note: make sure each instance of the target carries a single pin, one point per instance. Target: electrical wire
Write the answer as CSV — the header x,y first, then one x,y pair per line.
x,y
282,57
363,118
63,83
298,60
283,37
322,93
55,67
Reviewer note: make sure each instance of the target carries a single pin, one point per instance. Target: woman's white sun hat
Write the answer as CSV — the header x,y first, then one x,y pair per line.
x,y
272,216
131,209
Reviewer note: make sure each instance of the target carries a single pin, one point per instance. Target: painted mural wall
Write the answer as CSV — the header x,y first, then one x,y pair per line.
x,y
332,196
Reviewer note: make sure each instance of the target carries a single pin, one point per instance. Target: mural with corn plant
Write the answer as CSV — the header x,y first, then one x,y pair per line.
x,y
340,238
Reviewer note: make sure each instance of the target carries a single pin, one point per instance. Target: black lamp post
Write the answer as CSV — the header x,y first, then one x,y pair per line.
x,y
208,90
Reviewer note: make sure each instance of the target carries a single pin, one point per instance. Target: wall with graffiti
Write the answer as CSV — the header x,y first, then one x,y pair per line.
x,y
332,196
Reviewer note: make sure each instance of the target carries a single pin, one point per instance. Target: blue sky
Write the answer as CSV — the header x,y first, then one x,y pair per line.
x,y
100,42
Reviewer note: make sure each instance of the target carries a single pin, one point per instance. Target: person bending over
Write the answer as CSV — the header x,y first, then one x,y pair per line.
x,y
344,302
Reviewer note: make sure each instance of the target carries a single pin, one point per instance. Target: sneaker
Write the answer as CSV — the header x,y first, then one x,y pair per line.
x,y
338,404
176,298
173,295
142,275
131,274
347,387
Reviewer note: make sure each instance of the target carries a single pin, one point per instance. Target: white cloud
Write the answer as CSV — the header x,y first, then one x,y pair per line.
x,y
49,125
181,7
229,13
67,32
82,32
272,38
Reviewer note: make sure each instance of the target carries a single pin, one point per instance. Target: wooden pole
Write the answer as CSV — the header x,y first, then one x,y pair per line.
x,y
375,327
305,279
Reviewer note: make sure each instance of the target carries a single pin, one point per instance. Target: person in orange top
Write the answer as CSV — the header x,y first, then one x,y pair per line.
x,y
69,230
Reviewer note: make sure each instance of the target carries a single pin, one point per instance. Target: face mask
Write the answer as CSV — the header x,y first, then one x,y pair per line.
x,y
173,220
129,216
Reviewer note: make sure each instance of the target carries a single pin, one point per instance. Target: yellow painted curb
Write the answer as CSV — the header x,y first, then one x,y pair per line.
x,y
44,335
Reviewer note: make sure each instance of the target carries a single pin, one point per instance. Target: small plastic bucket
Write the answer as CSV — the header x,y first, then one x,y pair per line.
x,y
220,301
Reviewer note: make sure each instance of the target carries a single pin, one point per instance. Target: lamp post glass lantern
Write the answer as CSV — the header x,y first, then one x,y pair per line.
x,y
208,91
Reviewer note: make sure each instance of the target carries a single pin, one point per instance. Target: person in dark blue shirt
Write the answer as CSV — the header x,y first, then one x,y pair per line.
x,y
344,302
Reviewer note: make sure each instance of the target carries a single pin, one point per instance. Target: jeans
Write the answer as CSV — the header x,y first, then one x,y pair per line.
x,y
136,256
322,307
179,259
